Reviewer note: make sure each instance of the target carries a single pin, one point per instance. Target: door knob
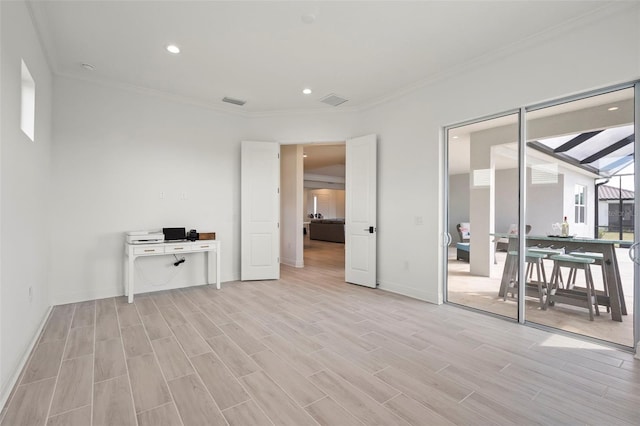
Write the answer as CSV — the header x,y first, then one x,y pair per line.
x,y
371,229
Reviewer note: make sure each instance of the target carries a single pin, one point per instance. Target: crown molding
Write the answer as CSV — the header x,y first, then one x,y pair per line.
x,y
43,32
307,111
555,31
189,100
186,100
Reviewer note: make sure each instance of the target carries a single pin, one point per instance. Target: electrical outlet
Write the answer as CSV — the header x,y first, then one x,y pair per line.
x,y
419,220
30,294
162,195
183,196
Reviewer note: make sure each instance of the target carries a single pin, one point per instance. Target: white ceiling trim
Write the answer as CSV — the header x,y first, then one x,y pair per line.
x,y
36,10
487,58
43,30
187,100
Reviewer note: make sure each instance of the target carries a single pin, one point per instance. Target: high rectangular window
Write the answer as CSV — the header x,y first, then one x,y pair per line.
x,y
28,103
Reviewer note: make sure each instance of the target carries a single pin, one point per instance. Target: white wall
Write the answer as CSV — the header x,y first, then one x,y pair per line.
x,y
24,194
506,200
291,190
545,204
124,127
330,202
458,204
127,161
410,139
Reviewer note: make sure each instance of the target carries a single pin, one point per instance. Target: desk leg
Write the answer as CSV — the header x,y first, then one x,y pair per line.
x,y
130,273
210,277
218,267
613,282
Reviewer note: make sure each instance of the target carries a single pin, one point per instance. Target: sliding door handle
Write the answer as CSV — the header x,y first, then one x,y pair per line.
x,y
632,252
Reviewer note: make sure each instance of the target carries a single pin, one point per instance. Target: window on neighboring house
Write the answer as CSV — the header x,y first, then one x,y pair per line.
x,y
28,103
579,203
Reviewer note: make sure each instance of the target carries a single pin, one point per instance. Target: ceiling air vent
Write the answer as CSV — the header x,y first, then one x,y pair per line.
x,y
333,100
233,101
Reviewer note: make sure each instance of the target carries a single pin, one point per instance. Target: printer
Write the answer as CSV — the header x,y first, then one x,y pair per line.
x,y
145,237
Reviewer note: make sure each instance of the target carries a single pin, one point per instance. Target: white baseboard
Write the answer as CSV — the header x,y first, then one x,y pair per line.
x,y
83,296
407,291
8,387
292,262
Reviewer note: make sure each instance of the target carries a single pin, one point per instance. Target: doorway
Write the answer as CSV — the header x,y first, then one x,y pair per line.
x,y
320,186
352,196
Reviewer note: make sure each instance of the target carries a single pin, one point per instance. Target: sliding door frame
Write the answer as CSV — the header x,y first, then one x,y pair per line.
x,y
446,236
522,133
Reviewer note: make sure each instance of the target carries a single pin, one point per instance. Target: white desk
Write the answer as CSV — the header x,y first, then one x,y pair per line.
x,y
133,251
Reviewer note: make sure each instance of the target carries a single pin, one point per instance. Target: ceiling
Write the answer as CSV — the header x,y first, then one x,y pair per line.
x,y
265,53
322,159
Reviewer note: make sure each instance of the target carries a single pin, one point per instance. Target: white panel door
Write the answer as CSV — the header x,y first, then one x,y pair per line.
x,y
360,211
260,211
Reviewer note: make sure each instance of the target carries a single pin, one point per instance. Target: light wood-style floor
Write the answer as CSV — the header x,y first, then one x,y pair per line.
x,y
310,349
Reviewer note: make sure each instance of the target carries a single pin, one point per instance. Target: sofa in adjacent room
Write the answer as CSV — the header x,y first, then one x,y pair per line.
x,y
327,230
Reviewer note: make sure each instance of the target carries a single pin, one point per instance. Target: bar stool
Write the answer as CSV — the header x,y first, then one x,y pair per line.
x,y
598,258
587,299
548,251
533,260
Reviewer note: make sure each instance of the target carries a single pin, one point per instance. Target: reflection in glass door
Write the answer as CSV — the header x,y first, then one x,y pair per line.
x,y
580,204
483,201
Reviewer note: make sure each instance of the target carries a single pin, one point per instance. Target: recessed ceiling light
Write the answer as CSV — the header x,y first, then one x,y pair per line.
x,y
456,137
172,48
88,67
613,109
307,91
304,155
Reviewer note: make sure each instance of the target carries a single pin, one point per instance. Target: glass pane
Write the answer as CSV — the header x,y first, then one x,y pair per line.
x,y
483,215
585,279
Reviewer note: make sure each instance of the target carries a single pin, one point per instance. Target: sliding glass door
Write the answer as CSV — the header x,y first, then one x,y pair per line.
x,y
482,212
580,203
564,178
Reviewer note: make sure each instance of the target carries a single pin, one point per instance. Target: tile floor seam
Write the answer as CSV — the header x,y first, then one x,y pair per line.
x,y
238,404
288,394
146,410
227,369
126,364
345,408
155,357
66,341
394,396
441,369
111,378
93,366
68,411
463,399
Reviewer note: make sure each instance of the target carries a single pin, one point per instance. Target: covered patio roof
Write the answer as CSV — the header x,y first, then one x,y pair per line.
x,y
603,152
